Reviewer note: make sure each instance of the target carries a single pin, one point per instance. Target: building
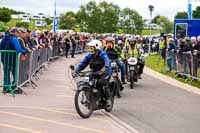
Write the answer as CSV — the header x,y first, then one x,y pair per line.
x,y
38,18
148,25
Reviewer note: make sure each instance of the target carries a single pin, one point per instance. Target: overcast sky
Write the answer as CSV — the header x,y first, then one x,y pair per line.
x,y
163,7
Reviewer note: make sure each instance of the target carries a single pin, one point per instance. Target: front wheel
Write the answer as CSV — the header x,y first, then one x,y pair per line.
x,y
109,109
131,79
118,87
82,103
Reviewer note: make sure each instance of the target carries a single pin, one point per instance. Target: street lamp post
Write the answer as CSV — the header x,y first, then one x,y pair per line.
x,y
151,8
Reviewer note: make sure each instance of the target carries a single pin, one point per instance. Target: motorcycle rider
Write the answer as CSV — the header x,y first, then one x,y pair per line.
x,y
97,59
135,49
114,53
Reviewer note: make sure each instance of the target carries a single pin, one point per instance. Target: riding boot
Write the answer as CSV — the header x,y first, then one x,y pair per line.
x,y
108,96
123,80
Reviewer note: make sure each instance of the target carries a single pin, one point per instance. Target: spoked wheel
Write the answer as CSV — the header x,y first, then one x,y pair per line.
x,y
109,109
131,79
82,103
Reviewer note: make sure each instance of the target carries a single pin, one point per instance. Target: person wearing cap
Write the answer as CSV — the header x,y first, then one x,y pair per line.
x,y
21,35
10,42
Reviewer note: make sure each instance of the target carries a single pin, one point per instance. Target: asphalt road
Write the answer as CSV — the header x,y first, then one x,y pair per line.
x,y
156,107
151,107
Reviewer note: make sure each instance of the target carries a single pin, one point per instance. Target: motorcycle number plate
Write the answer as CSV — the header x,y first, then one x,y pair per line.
x,y
114,74
132,68
87,79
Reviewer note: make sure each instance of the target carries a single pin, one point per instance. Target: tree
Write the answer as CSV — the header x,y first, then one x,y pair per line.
x,y
130,21
22,24
196,13
11,11
98,18
81,18
155,19
5,15
2,27
110,17
48,21
165,23
182,15
67,20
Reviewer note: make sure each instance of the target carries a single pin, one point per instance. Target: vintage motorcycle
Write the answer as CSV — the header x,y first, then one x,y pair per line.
x,y
90,96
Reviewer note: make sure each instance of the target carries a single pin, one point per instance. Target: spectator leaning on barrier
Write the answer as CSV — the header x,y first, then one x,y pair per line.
x,y
171,49
195,53
185,51
198,50
37,35
21,36
10,42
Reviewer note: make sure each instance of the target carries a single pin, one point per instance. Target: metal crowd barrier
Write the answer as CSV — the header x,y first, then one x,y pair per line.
x,y
186,65
9,65
25,69
55,51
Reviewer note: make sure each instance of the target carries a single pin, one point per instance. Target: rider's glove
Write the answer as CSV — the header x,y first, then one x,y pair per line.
x,y
74,74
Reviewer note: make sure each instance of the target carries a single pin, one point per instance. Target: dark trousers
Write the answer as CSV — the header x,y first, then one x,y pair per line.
x,y
141,67
67,50
73,51
7,68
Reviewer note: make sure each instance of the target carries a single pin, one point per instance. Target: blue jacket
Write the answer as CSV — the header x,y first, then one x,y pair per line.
x,y
10,42
96,63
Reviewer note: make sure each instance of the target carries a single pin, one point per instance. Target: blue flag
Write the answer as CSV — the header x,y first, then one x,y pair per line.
x,y
55,21
189,9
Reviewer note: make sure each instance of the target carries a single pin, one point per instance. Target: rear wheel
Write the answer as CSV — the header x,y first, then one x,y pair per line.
x,y
82,103
118,87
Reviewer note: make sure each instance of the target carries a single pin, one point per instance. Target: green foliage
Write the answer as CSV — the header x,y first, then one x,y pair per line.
x,y
2,27
165,23
147,32
5,15
11,11
196,13
184,15
48,21
67,21
181,15
108,18
22,24
131,21
155,18
152,62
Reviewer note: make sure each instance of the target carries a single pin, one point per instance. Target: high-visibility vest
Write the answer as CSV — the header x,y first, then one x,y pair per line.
x,y
120,54
161,44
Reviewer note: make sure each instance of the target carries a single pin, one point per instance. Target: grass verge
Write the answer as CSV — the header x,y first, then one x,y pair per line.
x,y
157,65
